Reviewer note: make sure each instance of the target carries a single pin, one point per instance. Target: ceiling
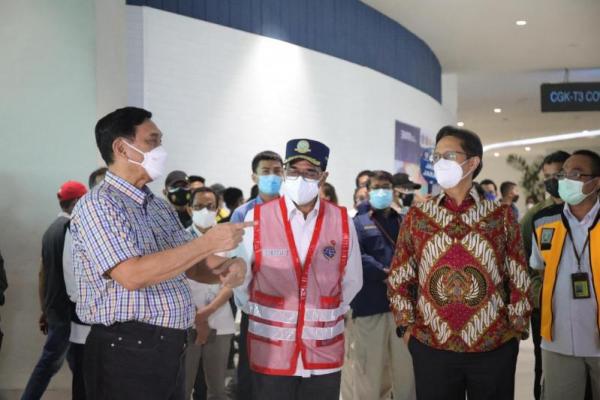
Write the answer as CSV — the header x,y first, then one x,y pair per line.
x,y
501,65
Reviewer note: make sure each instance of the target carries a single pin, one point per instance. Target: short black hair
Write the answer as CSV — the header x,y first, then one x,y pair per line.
x,y
204,189
329,191
506,187
196,178
556,157
266,155
66,205
231,196
119,123
593,157
94,176
254,192
362,173
470,143
380,175
489,182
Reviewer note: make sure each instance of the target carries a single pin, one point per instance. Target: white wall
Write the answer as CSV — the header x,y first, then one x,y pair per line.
x,y
47,111
221,95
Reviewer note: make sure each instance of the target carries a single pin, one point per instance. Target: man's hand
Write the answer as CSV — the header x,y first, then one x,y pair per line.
x,y
43,324
232,272
225,237
202,329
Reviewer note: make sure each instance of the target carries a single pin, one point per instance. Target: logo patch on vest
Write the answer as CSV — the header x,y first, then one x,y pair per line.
x,y
546,239
276,252
329,252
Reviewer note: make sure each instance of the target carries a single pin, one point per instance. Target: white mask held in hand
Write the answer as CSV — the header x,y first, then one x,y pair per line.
x,y
300,190
204,218
448,173
154,162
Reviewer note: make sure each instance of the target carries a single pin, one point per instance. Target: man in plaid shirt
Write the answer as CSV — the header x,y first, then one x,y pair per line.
x,y
131,258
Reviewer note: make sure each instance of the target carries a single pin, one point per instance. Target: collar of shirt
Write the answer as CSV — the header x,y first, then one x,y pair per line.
x,y
195,230
587,221
467,202
64,214
140,196
293,210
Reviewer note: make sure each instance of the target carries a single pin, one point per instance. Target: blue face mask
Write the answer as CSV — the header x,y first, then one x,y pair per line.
x,y
269,184
490,196
381,198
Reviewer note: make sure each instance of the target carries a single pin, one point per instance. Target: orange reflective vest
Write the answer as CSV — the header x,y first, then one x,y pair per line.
x,y
551,232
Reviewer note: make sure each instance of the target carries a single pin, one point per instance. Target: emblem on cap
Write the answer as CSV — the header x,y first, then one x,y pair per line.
x,y
302,147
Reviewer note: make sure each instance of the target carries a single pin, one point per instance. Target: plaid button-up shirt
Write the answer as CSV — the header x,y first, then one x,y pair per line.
x,y
116,222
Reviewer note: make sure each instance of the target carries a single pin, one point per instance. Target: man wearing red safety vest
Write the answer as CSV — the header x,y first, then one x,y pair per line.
x,y
306,268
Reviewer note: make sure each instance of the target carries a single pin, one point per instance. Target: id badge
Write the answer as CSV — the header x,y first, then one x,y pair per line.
x,y
581,285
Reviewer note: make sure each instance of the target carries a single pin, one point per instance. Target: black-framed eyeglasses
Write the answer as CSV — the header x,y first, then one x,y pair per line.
x,y
210,207
311,174
448,155
573,175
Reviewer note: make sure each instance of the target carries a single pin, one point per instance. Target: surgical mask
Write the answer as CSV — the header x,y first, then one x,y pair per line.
x,y
448,173
515,199
301,191
204,218
179,196
551,186
269,184
155,161
490,196
381,198
571,191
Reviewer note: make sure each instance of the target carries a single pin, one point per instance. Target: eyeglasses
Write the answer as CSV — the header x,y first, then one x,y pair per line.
x,y
210,207
573,175
448,155
311,174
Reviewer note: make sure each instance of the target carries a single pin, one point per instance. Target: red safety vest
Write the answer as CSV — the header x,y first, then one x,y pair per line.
x,y
295,309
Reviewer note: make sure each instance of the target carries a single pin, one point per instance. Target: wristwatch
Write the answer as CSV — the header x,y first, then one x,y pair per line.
x,y
400,331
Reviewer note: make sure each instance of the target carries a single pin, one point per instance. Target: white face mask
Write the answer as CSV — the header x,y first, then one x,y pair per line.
x,y
155,161
301,191
448,173
204,218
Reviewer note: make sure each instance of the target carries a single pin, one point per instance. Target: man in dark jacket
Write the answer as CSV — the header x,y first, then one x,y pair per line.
x,y
379,361
55,321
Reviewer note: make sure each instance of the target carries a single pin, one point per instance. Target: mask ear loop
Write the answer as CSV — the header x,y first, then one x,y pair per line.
x,y
139,151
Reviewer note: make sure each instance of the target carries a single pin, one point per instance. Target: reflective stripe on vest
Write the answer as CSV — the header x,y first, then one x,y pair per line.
x,y
308,332
552,257
291,317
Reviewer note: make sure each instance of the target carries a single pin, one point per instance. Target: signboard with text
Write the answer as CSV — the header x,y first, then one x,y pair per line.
x,y
579,96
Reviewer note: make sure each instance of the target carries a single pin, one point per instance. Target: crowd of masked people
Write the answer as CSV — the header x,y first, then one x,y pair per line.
x,y
404,295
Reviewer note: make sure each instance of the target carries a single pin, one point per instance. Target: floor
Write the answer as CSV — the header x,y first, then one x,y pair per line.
x,y
524,379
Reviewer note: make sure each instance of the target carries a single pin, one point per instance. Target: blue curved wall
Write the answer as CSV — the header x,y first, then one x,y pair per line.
x,y
347,29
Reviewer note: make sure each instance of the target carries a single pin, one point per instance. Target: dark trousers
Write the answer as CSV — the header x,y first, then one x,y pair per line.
x,y
75,360
244,375
447,375
132,360
536,323
53,356
317,387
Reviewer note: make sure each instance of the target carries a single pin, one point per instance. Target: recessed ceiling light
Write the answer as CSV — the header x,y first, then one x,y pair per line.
x,y
521,22
460,123
497,110
527,148
496,154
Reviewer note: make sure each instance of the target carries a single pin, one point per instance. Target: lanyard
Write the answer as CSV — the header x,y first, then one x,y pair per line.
x,y
578,255
385,233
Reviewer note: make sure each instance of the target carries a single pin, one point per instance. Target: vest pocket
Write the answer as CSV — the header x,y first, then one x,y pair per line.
x,y
330,302
263,339
269,300
329,342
